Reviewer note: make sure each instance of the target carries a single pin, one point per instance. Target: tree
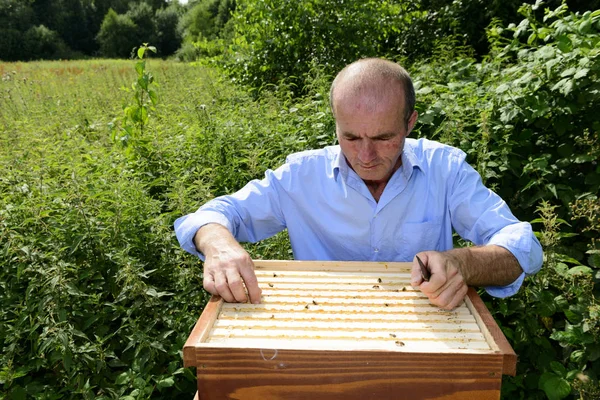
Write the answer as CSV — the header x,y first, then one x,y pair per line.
x,y
142,16
16,16
168,37
39,42
117,36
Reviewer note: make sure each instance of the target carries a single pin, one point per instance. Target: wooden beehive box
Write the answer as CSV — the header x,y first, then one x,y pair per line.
x,y
346,330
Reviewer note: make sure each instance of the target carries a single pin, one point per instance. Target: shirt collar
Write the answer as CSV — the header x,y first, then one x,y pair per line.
x,y
409,162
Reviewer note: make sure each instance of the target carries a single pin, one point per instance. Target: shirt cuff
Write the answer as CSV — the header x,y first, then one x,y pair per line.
x,y
508,290
187,226
521,242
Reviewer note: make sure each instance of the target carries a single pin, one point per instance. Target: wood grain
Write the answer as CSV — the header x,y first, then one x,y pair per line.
x,y
509,355
201,330
325,266
318,375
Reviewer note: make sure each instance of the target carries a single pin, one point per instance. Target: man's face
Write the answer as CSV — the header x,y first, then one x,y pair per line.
x,y
371,133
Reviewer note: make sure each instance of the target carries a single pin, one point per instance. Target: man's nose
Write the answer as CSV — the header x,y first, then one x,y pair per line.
x,y
367,153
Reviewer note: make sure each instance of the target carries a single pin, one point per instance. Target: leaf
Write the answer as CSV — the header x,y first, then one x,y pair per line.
x,y
153,97
552,189
568,72
558,368
580,270
555,387
502,88
18,393
139,67
165,383
581,73
564,44
141,51
122,378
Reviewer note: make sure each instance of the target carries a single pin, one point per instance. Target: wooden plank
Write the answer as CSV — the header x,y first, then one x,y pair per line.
x,y
346,266
246,374
274,273
252,315
495,333
201,330
338,280
455,348
324,324
345,309
242,333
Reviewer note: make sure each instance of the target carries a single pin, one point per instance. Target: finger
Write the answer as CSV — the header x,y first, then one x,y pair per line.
x,y
447,295
458,298
254,291
236,285
223,287
209,284
416,278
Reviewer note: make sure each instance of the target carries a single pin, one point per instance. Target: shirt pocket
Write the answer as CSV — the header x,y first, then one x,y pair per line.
x,y
416,237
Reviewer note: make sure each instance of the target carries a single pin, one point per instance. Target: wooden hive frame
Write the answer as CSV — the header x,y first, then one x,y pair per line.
x,y
346,330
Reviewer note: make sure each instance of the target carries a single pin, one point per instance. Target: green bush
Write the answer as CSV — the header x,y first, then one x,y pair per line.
x,y
526,118
117,36
279,40
40,42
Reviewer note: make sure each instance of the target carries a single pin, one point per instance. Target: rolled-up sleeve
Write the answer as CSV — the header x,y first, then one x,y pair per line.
x,y
481,216
251,214
521,242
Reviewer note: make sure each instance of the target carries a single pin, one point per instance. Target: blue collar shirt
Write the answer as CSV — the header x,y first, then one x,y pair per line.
x,y
331,215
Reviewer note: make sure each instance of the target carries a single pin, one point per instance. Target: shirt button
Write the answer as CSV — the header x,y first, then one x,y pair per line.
x,y
376,250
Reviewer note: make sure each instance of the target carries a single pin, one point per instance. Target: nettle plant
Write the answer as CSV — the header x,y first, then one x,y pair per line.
x,y
143,101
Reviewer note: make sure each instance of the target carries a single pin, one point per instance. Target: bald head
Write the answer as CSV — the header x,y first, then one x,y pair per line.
x,y
373,80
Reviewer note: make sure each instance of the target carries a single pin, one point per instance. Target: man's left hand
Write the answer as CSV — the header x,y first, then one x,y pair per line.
x,y
447,286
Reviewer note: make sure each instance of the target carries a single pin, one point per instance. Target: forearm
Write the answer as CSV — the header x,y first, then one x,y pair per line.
x,y
486,265
212,237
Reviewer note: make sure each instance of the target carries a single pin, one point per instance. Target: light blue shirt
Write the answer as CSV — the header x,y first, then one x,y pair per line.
x,y
331,215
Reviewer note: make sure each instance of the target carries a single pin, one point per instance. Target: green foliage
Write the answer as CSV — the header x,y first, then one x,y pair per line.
x,y
167,37
42,43
553,324
96,298
76,25
277,40
142,15
117,36
144,99
526,118
206,19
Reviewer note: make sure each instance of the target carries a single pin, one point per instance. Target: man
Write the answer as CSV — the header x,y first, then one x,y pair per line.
x,y
378,196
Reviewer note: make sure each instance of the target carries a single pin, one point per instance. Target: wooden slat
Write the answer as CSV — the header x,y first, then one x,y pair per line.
x,y
332,266
349,300
346,325
201,330
352,344
347,310
491,328
243,333
248,374
317,315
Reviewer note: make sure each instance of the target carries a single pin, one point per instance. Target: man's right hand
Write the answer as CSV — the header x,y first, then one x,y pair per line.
x,y
228,268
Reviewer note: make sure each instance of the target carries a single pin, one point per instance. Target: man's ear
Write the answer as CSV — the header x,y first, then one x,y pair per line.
x,y
411,122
